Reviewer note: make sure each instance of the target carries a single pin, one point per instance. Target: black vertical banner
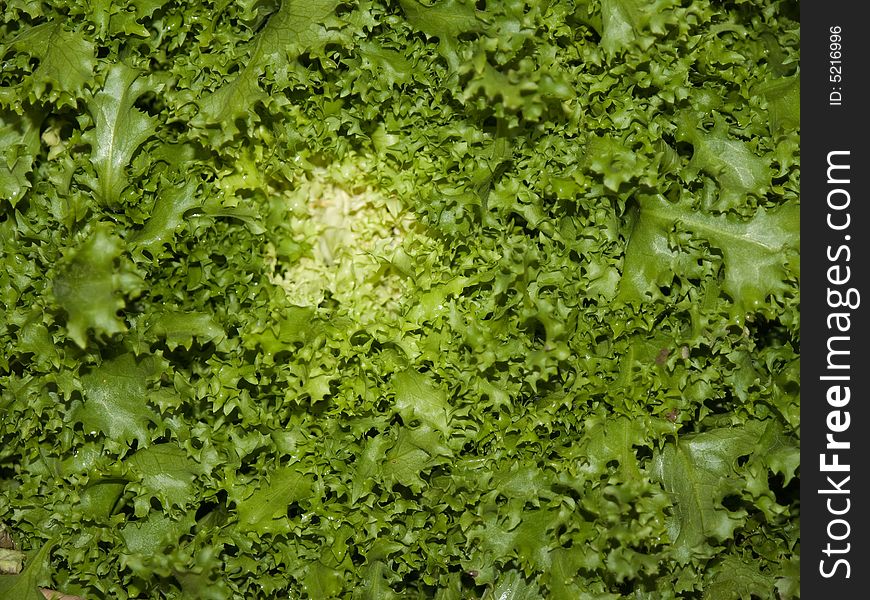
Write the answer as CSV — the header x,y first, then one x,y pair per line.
x,y
835,301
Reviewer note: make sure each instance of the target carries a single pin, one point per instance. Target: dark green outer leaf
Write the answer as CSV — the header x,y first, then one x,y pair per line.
x,y
119,130
756,253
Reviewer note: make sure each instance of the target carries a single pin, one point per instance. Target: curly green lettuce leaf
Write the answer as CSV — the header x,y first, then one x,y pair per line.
x,y
167,473
758,255
119,130
116,400
730,161
91,286
166,217
444,21
26,584
297,26
66,62
699,471
262,505
626,23
19,141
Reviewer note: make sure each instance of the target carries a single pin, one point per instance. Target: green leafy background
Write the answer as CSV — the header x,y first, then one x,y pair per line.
x,y
400,299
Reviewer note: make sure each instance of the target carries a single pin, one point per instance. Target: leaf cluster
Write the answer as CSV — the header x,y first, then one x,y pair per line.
x,y
400,299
